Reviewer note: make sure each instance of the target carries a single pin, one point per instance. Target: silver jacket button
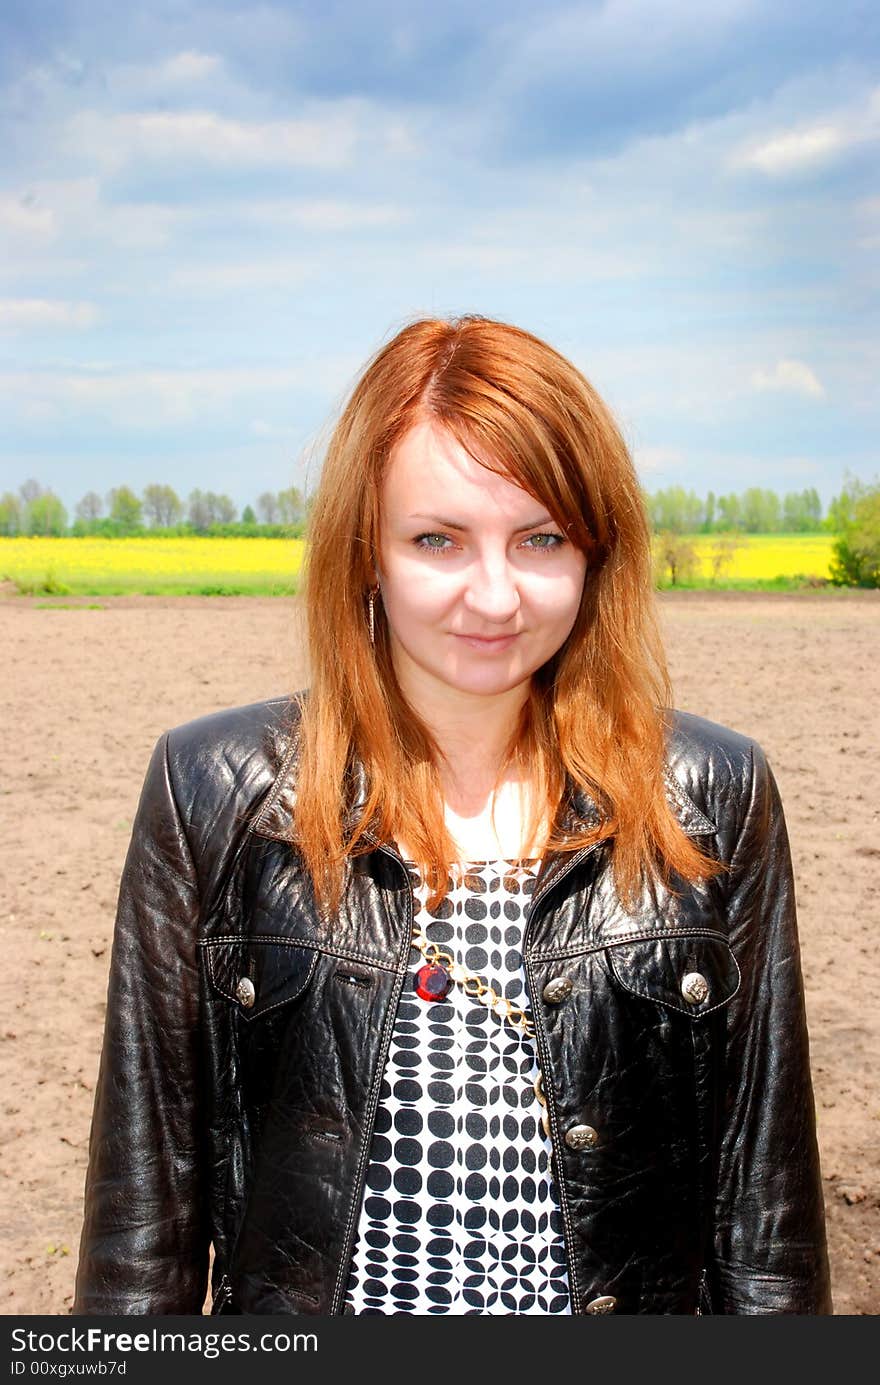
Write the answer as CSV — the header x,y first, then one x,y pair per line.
x,y
694,988
605,1303
557,990
245,993
581,1137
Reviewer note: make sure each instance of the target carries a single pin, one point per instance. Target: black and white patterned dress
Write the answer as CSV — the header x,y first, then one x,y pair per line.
x,y
460,1211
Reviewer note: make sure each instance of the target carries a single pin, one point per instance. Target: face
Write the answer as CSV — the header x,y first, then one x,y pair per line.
x,y
479,584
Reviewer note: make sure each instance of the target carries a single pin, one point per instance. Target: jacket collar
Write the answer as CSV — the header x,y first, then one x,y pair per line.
x,y
275,818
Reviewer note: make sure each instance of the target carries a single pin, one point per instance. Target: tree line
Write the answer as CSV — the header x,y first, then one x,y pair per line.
x,y
752,511
34,509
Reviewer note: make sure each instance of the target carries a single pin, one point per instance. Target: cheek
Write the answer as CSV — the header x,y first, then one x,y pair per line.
x,y
413,596
556,603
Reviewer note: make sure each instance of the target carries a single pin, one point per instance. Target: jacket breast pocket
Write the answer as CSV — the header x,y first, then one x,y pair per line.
x,y
259,975
692,975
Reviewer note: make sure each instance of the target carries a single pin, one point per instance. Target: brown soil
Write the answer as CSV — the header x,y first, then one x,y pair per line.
x,y
87,693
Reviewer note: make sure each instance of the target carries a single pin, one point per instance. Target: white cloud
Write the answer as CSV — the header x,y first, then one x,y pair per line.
x,y
144,395
707,381
488,257
804,147
795,150
617,34
325,141
536,259
148,399
399,140
22,216
789,377
131,84
324,214
25,313
74,210
250,274
188,67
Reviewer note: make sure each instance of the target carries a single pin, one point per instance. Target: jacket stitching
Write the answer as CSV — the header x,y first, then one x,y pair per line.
x,y
685,801
349,954
657,935
353,978
670,1005
278,786
370,1121
369,1127
575,1287
266,1008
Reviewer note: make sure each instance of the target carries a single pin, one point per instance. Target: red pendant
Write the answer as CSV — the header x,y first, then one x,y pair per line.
x,y
433,982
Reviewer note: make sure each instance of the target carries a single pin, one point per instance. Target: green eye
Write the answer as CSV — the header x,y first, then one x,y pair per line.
x,y
545,542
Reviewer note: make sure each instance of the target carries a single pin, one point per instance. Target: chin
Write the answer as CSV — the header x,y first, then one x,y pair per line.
x,y
486,682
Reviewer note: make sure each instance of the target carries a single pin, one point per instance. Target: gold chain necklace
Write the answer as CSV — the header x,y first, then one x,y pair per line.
x,y
434,980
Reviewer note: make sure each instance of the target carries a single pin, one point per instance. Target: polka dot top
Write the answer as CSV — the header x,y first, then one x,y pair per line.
x,y
460,1212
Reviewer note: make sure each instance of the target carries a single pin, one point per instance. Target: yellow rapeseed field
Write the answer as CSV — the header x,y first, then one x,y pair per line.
x,y
742,560
763,557
98,566
215,566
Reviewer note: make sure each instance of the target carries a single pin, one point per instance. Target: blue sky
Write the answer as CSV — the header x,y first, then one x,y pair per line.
x,y
212,213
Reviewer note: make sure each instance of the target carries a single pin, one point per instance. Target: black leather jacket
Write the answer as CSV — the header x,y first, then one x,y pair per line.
x,y
250,1126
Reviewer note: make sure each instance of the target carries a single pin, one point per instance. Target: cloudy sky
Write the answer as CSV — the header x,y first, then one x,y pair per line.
x,y
212,212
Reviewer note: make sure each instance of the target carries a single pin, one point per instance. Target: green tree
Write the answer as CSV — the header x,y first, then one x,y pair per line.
x,y
198,511
291,506
45,514
268,508
29,490
761,511
11,514
162,506
856,550
722,552
223,509
88,510
205,508
709,521
802,511
813,505
248,516
729,512
676,555
125,509
675,511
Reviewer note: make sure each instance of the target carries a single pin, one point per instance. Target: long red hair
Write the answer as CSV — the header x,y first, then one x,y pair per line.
x,y
595,717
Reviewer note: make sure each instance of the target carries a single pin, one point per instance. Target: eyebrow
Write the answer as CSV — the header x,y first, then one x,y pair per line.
x,y
463,528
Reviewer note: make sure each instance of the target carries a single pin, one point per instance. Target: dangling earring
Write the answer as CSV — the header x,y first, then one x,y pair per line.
x,y
371,612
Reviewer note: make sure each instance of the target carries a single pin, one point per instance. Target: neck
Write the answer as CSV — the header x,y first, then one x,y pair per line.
x,y
472,731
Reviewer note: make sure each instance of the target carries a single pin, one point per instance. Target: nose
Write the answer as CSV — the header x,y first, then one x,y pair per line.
x,y
491,593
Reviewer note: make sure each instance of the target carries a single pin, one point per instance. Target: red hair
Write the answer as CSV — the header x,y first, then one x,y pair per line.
x,y
595,716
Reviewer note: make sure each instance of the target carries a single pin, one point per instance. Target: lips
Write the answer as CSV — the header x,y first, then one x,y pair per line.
x,y
488,643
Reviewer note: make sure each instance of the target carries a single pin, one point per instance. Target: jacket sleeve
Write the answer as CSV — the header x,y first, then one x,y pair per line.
x,y
769,1254
144,1246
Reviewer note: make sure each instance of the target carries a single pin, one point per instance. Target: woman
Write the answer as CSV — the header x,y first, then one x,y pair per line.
x,y
467,982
